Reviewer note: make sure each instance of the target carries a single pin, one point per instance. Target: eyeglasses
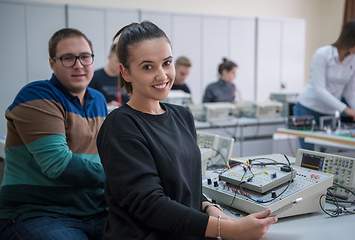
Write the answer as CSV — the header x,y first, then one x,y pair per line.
x,y
70,60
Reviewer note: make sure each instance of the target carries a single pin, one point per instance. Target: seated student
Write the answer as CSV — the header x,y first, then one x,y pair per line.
x,y
182,70
53,185
223,90
105,80
151,158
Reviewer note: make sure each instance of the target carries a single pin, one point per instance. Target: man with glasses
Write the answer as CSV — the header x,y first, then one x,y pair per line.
x,y
53,185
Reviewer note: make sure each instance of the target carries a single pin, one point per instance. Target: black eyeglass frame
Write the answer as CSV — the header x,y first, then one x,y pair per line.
x,y
76,58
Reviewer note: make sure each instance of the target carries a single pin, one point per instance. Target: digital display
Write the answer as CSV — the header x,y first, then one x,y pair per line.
x,y
312,162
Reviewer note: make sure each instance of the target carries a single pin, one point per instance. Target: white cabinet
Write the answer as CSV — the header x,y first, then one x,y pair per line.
x,y
280,56
293,55
13,56
24,47
186,41
242,52
161,19
215,47
268,67
91,21
100,25
115,19
38,34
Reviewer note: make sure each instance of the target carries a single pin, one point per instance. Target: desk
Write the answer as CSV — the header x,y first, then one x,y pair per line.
x,y
317,225
320,138
252,135
311,226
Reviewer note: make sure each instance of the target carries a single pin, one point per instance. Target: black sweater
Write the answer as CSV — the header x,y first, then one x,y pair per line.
x,y
153,175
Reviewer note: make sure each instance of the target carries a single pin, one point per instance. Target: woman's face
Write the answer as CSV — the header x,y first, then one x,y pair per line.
x,y
151,70
229,76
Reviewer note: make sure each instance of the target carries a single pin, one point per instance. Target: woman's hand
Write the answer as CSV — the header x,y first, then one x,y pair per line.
x,y
254,226
251,227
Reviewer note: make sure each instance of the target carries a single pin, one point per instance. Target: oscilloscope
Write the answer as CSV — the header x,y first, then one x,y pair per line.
x,y
341,167
222,147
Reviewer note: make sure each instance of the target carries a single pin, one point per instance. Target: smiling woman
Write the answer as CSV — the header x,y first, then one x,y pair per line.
x,y
150,154
151,73
146,65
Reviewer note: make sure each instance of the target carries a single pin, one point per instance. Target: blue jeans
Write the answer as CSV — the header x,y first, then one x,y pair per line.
x,y
299,110
48,228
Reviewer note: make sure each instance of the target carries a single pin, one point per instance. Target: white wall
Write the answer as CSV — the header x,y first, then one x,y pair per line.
x,y
323,21
323,17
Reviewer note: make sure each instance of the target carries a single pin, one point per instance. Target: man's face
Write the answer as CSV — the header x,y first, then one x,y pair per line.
x,y
76,78
181,74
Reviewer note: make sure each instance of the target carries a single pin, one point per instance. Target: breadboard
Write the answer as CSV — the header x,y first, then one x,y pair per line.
x,y
263,180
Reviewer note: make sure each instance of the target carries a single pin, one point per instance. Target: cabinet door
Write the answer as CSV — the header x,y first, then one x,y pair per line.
x,y
162,20
215,46
115,19
13,56
242,51
186,41
91,21
268,68
42,21
293,47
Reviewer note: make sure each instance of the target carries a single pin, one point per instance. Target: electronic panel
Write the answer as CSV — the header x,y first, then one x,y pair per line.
x,y
341,167
261,180
307,184
222,146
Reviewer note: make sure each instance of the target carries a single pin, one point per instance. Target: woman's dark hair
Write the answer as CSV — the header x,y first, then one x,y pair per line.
x,y
346,40
130,36
226,65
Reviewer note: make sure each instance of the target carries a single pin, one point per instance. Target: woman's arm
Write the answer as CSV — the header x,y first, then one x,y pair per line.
x,y
251,227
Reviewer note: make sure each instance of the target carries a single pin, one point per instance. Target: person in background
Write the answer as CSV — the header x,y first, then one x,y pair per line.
x,y
223,90
105,80
182,70
53,185
331,78
151,158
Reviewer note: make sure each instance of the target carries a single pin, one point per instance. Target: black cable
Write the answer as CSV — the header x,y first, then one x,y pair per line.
x,y
333,213
332,197
347,189
270,200
218,153
257,129
234,134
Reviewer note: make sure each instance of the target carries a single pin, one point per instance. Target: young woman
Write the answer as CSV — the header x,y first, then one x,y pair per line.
x,y
223,90
150,155
332,77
